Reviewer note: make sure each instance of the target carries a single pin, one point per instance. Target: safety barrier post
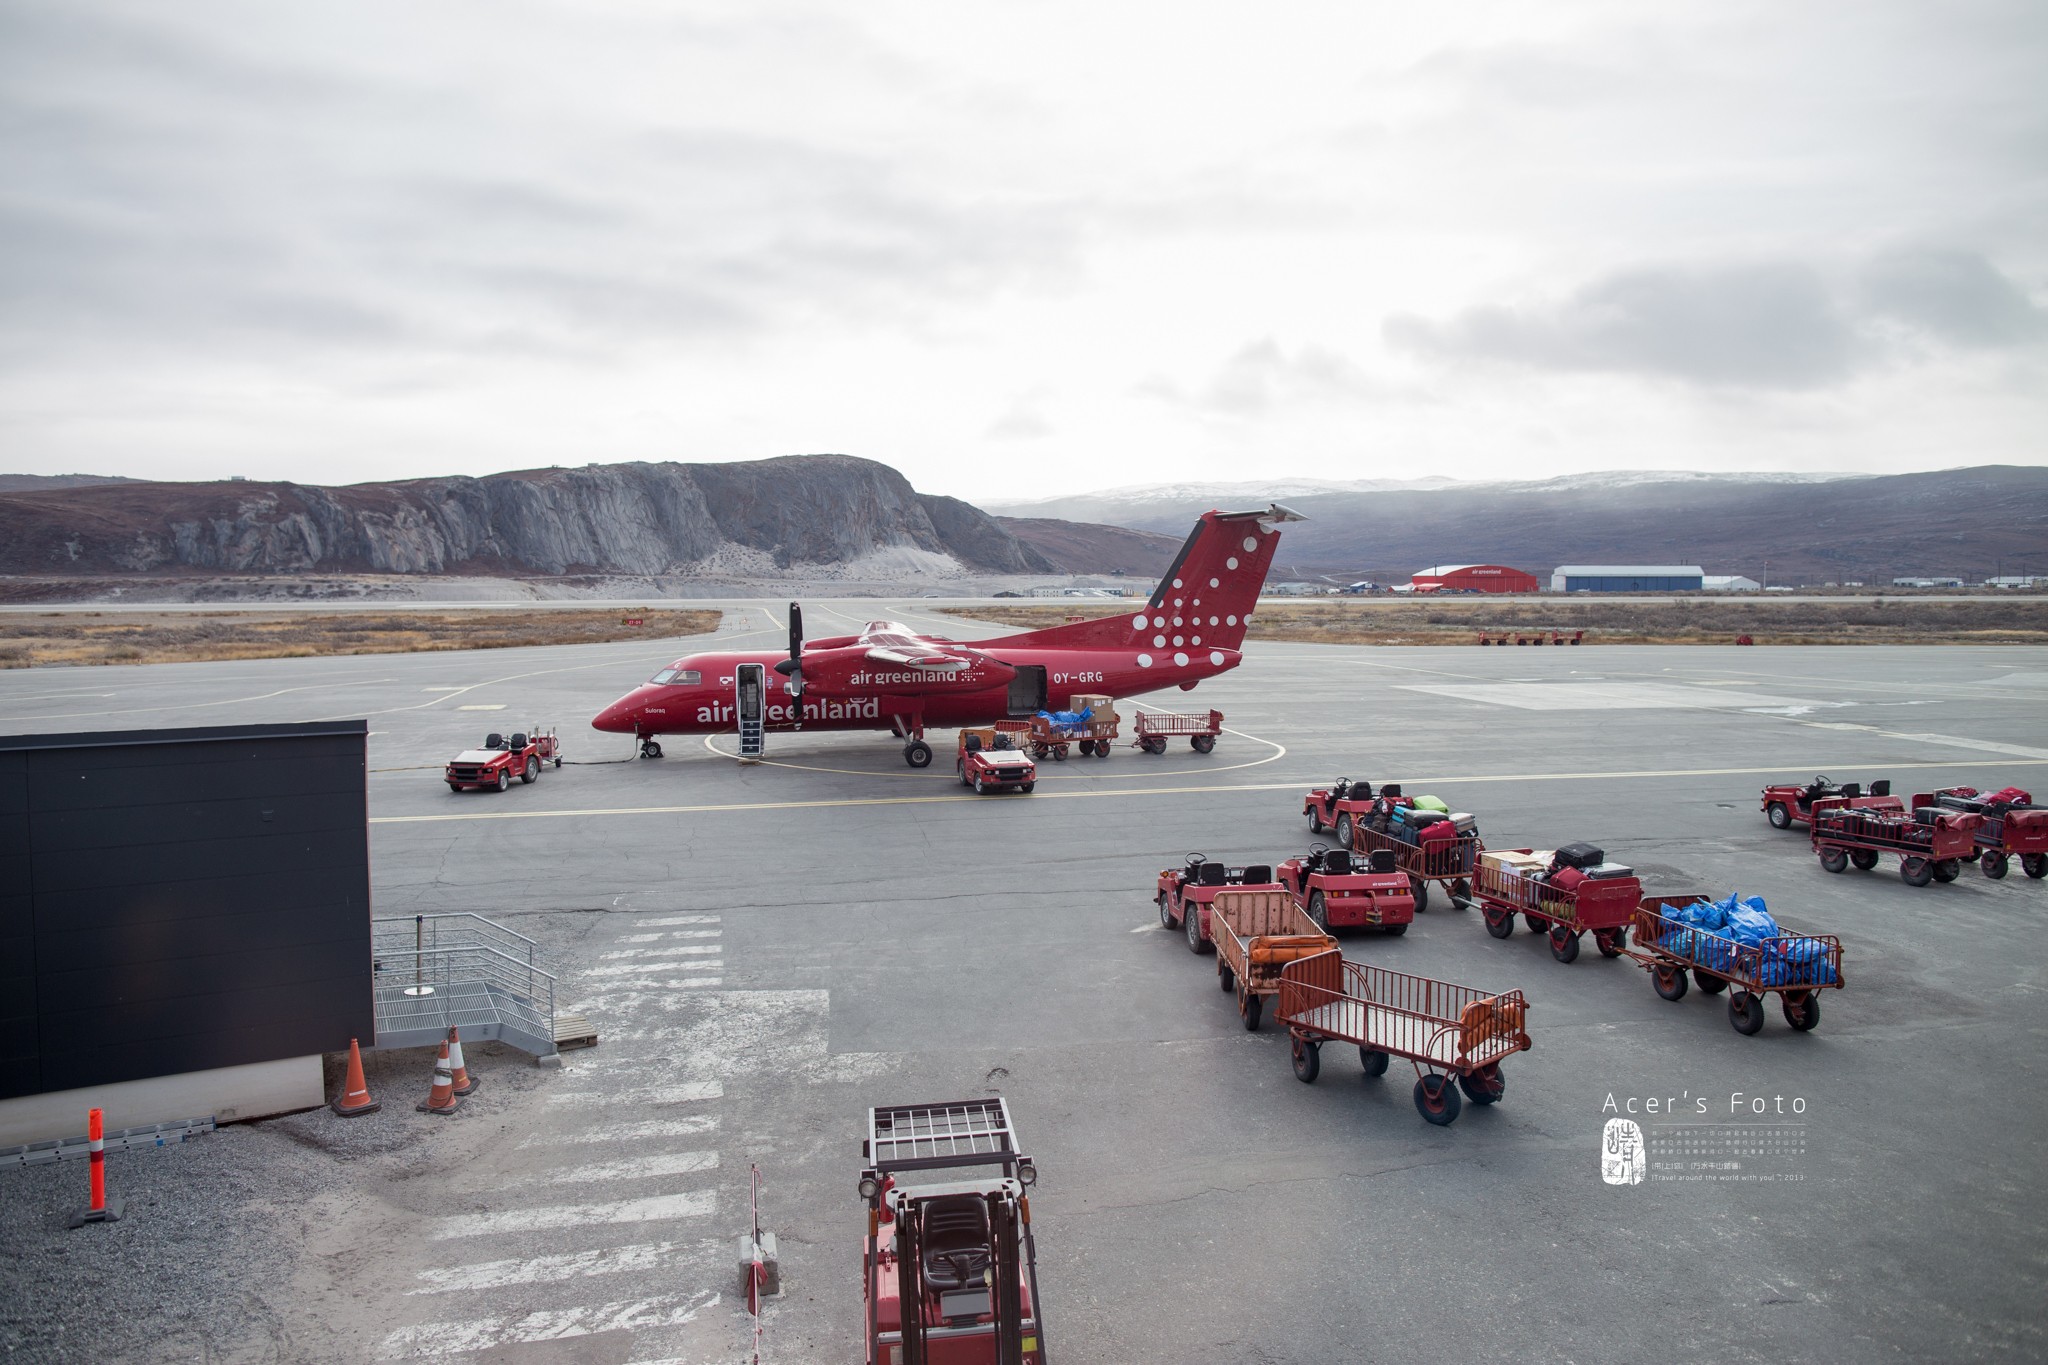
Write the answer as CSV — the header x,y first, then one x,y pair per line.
x,y
101,1210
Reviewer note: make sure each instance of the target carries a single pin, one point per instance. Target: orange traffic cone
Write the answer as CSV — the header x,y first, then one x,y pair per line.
x,y
355,1098
441,1099
465,1084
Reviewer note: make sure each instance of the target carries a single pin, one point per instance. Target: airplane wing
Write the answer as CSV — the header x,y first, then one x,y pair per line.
x,y
891,643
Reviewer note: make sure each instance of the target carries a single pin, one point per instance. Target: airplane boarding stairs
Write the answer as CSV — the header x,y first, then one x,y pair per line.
x,y
434,972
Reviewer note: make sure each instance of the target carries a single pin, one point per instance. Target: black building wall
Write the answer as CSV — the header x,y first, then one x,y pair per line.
x,y
177,900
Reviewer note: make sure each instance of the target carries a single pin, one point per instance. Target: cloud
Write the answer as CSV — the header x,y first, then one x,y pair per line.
x,y
1264,377
1957,296
1025,421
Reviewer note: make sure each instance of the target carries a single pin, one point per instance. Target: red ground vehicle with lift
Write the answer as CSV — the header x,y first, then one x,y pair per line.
x,y
520,755
1154,728
987,762
950,1272
1795,967
2009,831
1341,890
1789,804
1258,933
1185,894
1930,844
1341,806
1456,1036
1603,906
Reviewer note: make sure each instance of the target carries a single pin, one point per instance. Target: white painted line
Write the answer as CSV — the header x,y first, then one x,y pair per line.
x,y
669,951
636,968
640,1168
444,689
649,1131
483,706
690,1204
635,994
432,1339
687,1093
679,933
675,919
499,1274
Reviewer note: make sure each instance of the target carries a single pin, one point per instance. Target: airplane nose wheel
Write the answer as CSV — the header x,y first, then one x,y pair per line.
x,y
917,754
650,748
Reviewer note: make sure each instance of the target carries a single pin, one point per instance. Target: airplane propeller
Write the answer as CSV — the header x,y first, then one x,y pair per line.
x,y
793,667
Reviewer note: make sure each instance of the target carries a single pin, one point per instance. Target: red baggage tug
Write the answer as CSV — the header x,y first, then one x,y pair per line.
x,y
1341,806
1565,907
951,1268
1187,892
522,755
1787,804
1930,844
2008,832
1340,890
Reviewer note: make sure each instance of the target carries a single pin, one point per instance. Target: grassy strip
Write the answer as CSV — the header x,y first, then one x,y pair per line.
x,y
98,637
1685,621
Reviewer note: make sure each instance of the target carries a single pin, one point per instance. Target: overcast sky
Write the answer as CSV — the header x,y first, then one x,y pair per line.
x,y
1023,249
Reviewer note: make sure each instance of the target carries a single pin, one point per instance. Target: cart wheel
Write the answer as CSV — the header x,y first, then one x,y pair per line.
x,y
1202,743
1436,1099
1669,981
1394,930
2035,865
1708,983
1994,865
1780,817
1249,1008
1059,753
1484,1086
1461,894
1863,859
1745,1012
1834,859
1225,978
1102,748
532,771
1308,1060
1318,911
1948,869
1536,926
1609,941
504,779
1165,911
1499,923
558,760
1419,889
1191,921
1564,944
1315,821
1802,1012
1916,871
1343,828
1375,1063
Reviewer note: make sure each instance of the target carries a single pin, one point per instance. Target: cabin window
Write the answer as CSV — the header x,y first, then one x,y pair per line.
x,y
677,677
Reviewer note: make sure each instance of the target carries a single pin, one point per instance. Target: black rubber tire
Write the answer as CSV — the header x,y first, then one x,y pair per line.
x,y
1318,911
1499,923
1708,983
650,749
1916,871
1564,944
1461,894
1863,859
1226,979
1191,925
1436,1099
1394,930
455,787
1343,828
1419,889
1374,1063
1308,1060
558,762
1610,941
1315,821
1249,1008
2035,865
917,754
1745,1012
1995,865
1805,1014
1834,860
1027,787
1534,925
1484,1086
531,773
504,779
1165,903
1779,817
1202,744
1948,869
980,787
1669,981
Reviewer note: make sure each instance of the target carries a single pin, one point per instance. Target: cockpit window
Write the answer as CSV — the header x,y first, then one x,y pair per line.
x,y
676,677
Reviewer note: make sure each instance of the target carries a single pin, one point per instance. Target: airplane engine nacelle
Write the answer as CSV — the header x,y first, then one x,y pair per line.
x,y
852,671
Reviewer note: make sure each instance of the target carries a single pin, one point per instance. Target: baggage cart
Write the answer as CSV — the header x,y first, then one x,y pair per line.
x,y
1050,739
1154,728
1603,907
1185,894
1258,933
1446,860
2008,832
1455,1036
1929,848
1794,967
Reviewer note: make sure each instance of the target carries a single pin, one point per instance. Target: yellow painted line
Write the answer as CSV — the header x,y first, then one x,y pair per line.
x,y
1776,770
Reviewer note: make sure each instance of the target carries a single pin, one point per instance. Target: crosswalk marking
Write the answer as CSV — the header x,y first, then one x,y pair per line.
x,y
686,1093
690,1204
534,1270
629,1132
668,920
631,968
671,950
644,994
446,1338
673,933
639,1168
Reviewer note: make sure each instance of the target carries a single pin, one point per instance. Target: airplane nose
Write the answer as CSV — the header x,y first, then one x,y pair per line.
x,y
616,719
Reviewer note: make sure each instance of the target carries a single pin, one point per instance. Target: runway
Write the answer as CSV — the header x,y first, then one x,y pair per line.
x,y
767,950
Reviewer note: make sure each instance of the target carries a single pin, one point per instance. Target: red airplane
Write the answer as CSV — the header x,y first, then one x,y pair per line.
x,y
888,677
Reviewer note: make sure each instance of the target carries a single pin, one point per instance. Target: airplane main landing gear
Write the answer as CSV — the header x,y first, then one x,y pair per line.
x,y
917,754
650,748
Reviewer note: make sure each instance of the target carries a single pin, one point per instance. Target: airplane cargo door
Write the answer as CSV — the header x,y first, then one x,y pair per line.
x,y
1027,690
748,686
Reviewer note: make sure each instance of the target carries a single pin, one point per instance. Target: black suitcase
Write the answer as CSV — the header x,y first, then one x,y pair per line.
x,y
1577,855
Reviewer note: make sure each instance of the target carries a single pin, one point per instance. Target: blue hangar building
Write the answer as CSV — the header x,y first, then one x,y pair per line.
x,y
1628,578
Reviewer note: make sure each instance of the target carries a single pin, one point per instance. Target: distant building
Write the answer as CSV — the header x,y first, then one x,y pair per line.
x,y
1927,582
2016,581
1628,578
1730,583
1299,589
1475,578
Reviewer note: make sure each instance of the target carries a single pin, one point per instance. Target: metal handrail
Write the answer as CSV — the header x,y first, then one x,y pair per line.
x,y
424,963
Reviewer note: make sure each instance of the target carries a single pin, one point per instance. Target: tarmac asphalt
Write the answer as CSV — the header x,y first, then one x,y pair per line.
x,y
768,950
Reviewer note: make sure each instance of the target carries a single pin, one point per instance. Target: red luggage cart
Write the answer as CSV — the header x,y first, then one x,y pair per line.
x,y
1154,728
1794,967
1927,852
2007,832
1450,1033
1257,934
1447,860
1603,906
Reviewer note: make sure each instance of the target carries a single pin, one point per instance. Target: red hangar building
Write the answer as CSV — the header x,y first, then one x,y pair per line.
x,y
1475,578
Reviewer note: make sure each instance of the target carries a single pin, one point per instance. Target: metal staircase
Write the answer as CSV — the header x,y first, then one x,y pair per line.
x,y
434,972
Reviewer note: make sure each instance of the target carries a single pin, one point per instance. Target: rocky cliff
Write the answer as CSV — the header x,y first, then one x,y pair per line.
x,y
639,519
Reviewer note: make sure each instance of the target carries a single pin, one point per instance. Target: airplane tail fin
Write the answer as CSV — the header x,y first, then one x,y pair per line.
x,y
1205,598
